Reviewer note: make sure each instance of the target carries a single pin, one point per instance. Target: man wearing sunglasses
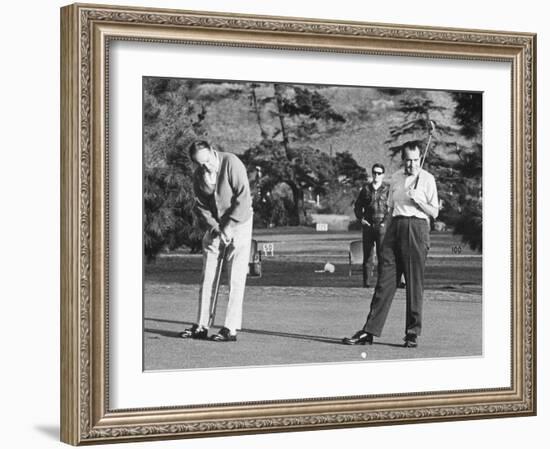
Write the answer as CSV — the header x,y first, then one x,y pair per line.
x,y
371,209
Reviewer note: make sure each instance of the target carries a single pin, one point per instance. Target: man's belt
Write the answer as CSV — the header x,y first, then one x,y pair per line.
x,y
407,217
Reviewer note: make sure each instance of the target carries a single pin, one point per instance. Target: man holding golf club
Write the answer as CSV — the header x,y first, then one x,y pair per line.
x,y
224,208
413,201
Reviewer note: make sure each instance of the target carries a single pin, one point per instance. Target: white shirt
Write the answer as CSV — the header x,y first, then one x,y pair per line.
x,y
402,204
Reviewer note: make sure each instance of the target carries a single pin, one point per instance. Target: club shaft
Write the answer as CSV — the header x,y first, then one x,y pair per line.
x,y
217,278
422,160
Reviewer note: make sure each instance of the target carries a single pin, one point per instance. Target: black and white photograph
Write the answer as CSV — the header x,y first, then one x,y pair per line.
x,y
275,224
290,224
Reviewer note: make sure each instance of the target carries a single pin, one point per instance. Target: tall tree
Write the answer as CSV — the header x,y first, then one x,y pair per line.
x,y
257,109
468,217
302,114
172,120
467,113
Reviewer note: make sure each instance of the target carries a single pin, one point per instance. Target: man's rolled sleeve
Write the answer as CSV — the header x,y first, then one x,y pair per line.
x,y
432,197
390,198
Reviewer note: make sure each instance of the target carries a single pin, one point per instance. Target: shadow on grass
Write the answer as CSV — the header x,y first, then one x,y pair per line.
x,y
162,332
318,338
172,334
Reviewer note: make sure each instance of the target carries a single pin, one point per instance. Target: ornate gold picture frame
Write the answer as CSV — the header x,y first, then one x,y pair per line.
x,y
87,31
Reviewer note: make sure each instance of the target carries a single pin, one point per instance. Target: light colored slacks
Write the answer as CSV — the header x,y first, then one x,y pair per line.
x,y
237,269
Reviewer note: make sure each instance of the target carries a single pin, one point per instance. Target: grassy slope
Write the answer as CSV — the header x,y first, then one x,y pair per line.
x,y
233,126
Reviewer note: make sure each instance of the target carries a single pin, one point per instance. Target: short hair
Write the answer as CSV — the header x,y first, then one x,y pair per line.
x,y
410,147
378,165
196,146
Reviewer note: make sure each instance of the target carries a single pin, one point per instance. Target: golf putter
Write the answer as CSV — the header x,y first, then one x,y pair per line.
x,y
217,278
432,129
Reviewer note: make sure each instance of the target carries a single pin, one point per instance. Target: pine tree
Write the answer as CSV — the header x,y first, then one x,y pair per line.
x,y
172,120
302,114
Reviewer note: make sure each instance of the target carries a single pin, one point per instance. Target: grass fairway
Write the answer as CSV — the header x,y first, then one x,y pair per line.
x,y
293,315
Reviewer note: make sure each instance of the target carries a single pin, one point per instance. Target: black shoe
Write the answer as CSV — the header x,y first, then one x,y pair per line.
x,y
410,341
367,285
224,335
359,338
195,332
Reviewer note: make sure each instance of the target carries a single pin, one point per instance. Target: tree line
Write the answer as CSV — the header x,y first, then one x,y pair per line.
x,y
290,175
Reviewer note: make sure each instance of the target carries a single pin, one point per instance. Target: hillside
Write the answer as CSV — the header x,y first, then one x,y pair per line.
x,y
232,125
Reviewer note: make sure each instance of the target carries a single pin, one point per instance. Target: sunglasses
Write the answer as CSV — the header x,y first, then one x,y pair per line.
x,y
377,173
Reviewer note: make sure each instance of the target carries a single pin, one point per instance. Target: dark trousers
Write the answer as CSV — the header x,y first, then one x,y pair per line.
x,y
372,236
404,250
